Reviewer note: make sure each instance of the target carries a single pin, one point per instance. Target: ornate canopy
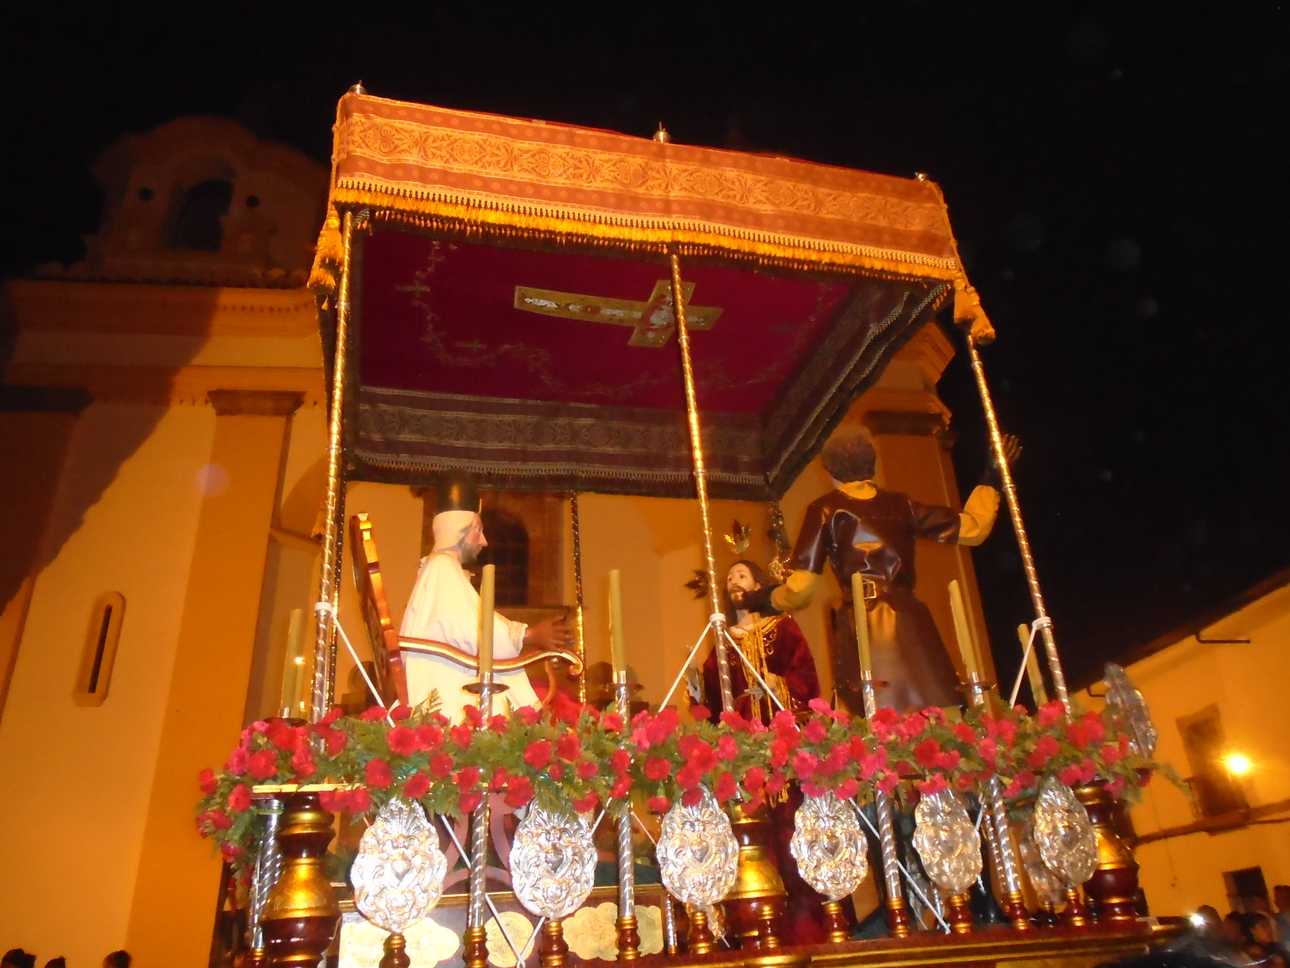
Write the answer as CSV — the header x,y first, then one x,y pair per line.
x,y
511,306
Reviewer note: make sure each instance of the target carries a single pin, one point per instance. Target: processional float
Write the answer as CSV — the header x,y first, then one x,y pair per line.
x,y
511,297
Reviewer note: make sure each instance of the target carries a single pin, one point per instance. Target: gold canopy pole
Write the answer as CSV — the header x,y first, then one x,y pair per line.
x,y
718,618
577,591
325,611
1023,542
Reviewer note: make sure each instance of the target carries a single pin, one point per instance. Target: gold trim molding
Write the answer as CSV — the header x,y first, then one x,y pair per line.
x,y
53,306
255,403
164,385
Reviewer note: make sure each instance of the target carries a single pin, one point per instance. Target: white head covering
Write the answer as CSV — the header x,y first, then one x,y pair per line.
x,y
450,527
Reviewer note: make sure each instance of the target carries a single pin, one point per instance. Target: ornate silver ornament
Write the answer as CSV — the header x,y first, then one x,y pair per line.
x,y
947,842
1045,883
398,874
829,846
1126,699
553,862
1063,833
698,855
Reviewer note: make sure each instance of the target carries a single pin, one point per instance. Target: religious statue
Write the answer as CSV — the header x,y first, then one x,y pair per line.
x,y
772,644
862,528
445,607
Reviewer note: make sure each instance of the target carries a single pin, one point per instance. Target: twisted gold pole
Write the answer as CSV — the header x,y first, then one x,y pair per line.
x,y
476,951
718,618
1002,849
324,639
629,939
577,591
898,920
1018,526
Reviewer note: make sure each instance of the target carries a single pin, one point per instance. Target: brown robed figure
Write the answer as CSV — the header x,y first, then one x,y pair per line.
x,y
859,528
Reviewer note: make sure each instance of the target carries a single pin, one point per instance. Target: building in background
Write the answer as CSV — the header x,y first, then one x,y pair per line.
x,y
164,433
1217,693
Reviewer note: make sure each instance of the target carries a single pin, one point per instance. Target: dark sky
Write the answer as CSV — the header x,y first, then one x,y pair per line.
x,y
1111,172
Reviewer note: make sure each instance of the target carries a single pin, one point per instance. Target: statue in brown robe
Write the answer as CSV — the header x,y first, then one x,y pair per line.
x,y
859,528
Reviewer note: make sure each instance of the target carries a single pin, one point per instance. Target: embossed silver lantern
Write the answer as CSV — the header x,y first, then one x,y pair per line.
x,y
698,859
398,873
831,853
1066,842
1125,699
553,868
553,862
1046,884
950,848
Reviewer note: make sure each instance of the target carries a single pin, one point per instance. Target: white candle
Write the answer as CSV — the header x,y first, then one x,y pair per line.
x,y
487,585
617,643
963,633
862,626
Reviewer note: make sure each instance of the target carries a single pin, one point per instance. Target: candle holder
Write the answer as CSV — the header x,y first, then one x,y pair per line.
x,y
899,923
629,939
474,938
1003,851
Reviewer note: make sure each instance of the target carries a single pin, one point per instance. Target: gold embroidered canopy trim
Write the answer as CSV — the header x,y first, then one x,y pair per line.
x,y
515,179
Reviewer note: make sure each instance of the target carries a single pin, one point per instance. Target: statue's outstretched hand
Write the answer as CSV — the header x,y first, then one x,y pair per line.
x,y
1011,449
1011,452
551,633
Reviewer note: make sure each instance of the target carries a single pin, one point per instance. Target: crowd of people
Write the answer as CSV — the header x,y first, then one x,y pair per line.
x,y
18,958
1257,935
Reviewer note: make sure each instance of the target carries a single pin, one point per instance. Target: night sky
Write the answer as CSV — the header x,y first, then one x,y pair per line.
x,y
1111,173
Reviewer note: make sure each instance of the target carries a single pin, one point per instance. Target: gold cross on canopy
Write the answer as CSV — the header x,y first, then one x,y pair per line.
x,y
652,321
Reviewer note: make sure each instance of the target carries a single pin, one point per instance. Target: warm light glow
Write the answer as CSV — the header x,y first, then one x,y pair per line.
x,y
1198,920
1238,764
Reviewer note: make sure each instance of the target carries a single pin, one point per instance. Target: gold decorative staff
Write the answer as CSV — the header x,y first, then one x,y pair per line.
x,y
718,618
581,642
1014,509
629,939
324,665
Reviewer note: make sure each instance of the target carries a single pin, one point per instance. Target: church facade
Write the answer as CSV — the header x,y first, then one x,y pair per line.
x,y
164,428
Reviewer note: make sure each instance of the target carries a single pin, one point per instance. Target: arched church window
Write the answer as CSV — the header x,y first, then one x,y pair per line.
x,y
508,550
199,226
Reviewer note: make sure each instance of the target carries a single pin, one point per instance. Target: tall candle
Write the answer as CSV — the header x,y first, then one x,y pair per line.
x,y
1032,667
962,632
617,646
862,626
487,584
289,700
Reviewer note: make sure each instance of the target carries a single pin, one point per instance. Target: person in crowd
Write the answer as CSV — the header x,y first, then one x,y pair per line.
x,y
1260,942
1281,897
17,958
117,959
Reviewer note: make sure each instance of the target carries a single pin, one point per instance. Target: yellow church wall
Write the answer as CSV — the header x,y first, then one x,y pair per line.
x,y
177,886
1248,683
78,778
